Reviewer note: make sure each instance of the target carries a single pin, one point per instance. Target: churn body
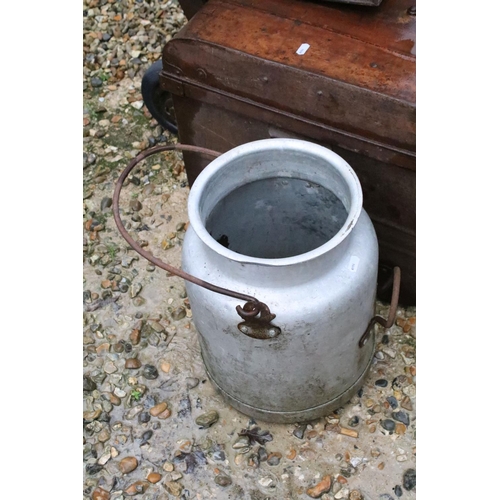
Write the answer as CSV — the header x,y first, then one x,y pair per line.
x,y
323,298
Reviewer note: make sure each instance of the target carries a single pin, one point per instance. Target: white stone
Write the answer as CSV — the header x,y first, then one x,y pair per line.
x,y
104,459
267,482
119,392
343,493
410,391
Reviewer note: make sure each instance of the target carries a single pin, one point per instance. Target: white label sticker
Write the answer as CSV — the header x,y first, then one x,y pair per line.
x,y
302,49
353,263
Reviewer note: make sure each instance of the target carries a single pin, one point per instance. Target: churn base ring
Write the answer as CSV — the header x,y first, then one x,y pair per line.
x,y
290,417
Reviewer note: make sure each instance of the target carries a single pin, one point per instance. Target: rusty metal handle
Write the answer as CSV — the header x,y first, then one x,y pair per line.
x,y
386,323
252,307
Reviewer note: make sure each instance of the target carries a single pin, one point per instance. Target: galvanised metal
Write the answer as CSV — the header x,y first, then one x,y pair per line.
x,y
323,299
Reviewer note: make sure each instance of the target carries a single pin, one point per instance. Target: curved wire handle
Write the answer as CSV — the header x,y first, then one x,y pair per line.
x,y
386,323
252,307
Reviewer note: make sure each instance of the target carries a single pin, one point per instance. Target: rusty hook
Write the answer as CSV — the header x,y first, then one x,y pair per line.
x,y
386,323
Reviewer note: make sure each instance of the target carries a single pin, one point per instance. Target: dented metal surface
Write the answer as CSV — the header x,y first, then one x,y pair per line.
x,y
321,300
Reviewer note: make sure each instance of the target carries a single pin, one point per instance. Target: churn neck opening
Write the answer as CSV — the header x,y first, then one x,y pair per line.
x,y
269,159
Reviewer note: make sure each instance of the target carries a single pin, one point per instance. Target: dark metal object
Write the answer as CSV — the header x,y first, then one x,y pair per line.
x,y
158,102
386,323
252,307
257,328
353,90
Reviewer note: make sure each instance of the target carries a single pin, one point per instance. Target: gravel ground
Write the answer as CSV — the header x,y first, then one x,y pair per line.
x,y
153,425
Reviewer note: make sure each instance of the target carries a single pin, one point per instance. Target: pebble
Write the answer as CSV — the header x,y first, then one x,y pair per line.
x,y
343,493
253,461
100,494
106,202
91,415
381,382
393,402
93,469
176,475
207,419
409,479
174,488
135,336
267,482
398,491
109,367
388,424
299,431
118,347
400,429
104,458
150,372
390,352
401,416
157,327
406,404
146,436
167,466
135,289
274,458
96,82
410,391
88,384
103,436
153,477
144,417
223,480
322,487
128,464
135,205
262,454
119,392
354,421
241,442
136,488
103,348
164,414
191,382
114,399
184,407
132,364
158,409
179,313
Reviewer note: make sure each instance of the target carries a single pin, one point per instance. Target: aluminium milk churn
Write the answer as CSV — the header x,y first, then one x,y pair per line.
x,y
282,220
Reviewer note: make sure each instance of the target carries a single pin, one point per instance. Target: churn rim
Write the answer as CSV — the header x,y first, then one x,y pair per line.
x,y
348,174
